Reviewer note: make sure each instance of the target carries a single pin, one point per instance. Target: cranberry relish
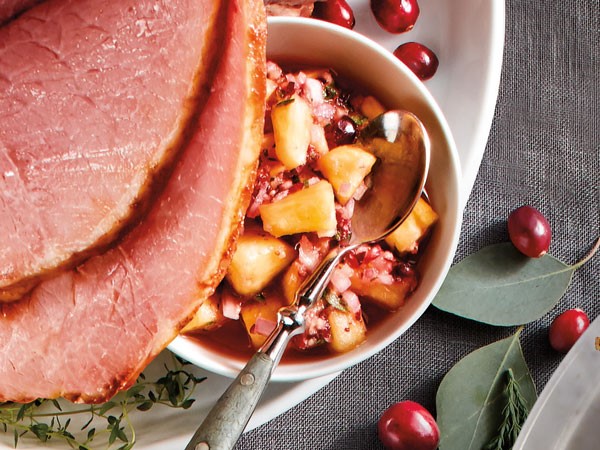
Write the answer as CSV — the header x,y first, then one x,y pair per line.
x,y
311,172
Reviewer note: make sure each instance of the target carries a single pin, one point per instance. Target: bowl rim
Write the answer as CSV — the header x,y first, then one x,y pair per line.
x,y
187,348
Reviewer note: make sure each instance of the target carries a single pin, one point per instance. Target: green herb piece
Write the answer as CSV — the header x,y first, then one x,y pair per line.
x,y
500,286
108,423
330,92
514,413
260,297
359,119
287,101
471,397
334,300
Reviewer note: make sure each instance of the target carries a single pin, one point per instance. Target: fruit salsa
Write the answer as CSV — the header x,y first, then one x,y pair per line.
x,y
310,174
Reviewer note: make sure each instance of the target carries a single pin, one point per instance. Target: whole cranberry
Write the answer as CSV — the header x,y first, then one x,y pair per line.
x,y
529,231
418,58
407,425
567,328
335,11
395,16
344,131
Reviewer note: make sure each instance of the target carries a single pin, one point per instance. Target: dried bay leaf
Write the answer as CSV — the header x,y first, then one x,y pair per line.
x,y
500,286
470,398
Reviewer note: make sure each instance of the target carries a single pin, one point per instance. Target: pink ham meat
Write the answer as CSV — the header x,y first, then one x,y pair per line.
x,y
303,8
95,97
88,333
10,8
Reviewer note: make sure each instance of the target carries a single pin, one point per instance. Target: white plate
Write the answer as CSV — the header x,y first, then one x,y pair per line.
x,y
565,416
468,38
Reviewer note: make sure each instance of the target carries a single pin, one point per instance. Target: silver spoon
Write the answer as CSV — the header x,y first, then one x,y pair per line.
x,y
401,145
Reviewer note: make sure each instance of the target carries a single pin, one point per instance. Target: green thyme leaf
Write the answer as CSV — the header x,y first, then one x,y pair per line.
x,y
41,419
287,101
330,92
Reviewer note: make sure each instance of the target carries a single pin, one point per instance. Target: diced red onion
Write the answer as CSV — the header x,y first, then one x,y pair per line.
x,y
308,255
280,195
352,301
340,280
369,274
314,91
231,306
381,264
324,112
264,326
360,191
286,184
385,278
312,180
274,72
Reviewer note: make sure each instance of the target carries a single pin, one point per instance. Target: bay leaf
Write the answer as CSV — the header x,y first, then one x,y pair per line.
x,y
500,286
470,399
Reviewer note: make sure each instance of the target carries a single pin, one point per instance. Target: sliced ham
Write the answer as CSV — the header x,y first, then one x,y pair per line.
x,y
89,332
95,101
302,8
10,8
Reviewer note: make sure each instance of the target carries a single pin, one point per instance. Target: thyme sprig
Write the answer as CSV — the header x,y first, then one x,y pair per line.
x,y
50,419
514,413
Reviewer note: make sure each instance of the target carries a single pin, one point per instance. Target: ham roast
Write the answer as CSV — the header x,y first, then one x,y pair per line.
x,y
95,99
10,8
89,332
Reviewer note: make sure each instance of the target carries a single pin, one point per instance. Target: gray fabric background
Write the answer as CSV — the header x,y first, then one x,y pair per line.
x,y
543,149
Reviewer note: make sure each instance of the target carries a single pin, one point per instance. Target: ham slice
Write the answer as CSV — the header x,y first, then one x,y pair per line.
x,y
10,8
89,332
302,8
95,101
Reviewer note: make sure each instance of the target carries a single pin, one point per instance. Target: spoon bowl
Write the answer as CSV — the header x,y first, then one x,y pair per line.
x,y
399,141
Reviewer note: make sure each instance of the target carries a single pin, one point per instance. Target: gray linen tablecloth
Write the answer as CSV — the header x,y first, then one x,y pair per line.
x,y
543,150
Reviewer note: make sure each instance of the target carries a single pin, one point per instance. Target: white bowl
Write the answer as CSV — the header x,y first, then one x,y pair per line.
x,y
318,43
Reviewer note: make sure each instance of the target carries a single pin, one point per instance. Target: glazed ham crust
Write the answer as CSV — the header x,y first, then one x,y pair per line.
x,y
88,333
95,101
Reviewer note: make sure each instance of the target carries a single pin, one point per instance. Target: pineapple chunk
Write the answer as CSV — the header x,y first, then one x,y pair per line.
x,y
346,167
271,86
258,259
371,107
292,124
387,296
318,139
308,210
290,282
348,330
208,317
268,142
253,310
405,238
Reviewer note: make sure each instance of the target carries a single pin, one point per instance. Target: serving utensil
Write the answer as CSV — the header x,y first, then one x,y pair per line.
x,y
401,145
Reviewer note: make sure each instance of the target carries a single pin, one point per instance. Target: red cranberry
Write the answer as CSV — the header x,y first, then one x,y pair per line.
x,y
566,329
335,11
529,231
418,58
344,131
395,16
408,426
